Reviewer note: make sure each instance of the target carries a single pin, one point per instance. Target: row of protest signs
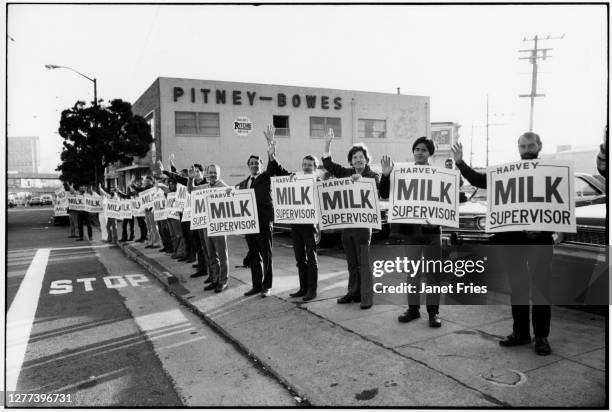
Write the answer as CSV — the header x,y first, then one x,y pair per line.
x,y
534,195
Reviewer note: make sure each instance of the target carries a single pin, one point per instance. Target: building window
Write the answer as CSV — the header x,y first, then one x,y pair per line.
x,y
281,124
196,124
319,126
369,128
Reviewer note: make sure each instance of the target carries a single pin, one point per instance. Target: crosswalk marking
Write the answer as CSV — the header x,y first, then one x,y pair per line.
x,y
20,317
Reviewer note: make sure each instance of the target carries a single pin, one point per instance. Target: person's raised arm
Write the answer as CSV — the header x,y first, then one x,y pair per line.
x,y
475,178
385,180
102,191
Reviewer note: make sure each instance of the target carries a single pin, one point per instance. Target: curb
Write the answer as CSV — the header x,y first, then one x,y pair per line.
x,y
162,274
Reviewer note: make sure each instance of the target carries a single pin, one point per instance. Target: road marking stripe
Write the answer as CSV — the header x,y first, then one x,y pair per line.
x,y
20,317
82,247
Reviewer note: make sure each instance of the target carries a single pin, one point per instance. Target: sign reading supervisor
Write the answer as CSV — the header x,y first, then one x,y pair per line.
x,y
534,195
232,213
344,203
293,199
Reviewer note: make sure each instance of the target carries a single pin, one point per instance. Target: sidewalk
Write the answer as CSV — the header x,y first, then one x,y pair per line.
x,y
339,355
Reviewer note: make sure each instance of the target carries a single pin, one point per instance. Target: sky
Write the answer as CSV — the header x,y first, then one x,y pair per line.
x,y
456,54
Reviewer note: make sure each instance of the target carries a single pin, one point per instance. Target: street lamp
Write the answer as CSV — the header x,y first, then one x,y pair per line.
x,y
54,66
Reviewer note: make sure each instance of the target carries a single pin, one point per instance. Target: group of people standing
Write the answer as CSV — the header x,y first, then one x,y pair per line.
x,y
211,253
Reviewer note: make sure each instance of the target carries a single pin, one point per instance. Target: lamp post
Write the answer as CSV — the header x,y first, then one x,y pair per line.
x,y
54,66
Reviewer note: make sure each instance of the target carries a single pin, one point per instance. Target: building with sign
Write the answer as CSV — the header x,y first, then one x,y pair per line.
x,y
205,121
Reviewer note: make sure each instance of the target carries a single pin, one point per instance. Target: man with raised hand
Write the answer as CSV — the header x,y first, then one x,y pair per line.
x,y
533,266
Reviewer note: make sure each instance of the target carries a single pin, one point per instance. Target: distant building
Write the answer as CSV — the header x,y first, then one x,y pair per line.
x,y
582,156
23,154
444,136
206,121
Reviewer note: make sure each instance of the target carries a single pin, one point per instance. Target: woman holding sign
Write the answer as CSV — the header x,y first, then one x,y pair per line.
x,y
417,234
360,273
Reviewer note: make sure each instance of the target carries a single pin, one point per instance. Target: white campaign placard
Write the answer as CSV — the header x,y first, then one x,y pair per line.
x,y
532,195
61,208
422,194
93,203
112,209
181,197
147,197
60,195
198,207
76,202
294,200
344,203
187,209
126,209
159,206
137,207
232,213
173,213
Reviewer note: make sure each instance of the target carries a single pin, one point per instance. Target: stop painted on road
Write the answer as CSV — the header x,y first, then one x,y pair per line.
x,y
63,286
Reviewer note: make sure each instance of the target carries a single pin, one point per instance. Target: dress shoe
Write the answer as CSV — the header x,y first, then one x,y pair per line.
x,y
408,316
197,275
78,240
348,299
73,236
210,287
163,249
123,239
221,287
265,293
298,294
434,321
140,240
365,306
209,280
541,346
252,292
174,256
309,296
190,260
182,258
195,266
131,239
515,340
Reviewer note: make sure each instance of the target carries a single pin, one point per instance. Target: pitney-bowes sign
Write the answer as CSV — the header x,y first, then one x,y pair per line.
x,y
240,97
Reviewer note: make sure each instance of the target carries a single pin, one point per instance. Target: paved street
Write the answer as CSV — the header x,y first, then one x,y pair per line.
x,y
86,322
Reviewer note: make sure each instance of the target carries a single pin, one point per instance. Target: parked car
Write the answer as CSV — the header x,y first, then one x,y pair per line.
x,y
589,189
10,202
46,200
35,200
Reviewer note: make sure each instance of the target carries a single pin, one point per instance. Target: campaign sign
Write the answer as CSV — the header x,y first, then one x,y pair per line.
x,y
147,197
187,209
112,209
181,197
60,195
173,212
61,208
126,209
198,207
293,199
243,126
344,203
232,214
76,202
159,206
422,194
93,203
533,195
137,207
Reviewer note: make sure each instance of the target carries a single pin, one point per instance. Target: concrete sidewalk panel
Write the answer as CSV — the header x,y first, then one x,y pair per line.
x,y
595,359
474,315
331,310
385,328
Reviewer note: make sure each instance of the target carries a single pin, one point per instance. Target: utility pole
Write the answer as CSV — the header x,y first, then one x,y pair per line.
x,y
486,126
533,59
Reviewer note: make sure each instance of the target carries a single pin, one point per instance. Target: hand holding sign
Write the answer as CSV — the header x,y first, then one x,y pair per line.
x,y
457,151
386,165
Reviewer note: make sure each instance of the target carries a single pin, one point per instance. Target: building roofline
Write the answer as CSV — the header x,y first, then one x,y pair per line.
x,y
288,85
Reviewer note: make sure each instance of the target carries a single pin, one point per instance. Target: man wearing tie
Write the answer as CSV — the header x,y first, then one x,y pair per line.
x,y
260,244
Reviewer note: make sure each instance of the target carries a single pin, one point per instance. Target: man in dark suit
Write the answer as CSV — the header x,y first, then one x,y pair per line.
x,y
260,244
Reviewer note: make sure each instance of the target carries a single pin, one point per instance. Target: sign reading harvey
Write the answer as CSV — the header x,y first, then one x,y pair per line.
x,y
137,207
76,202
344,203
159,206
424,195
93,203
147,197
173,212
198,207
534,195
293,199
112,209
126,209
232,214
187,209
181,197
60,208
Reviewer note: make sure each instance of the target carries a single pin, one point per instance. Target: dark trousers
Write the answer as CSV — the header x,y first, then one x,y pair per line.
x,y
431,240
142,226
203,253
164,233
188,239
84,218
356,244
305,250
531,271
260,248
125,225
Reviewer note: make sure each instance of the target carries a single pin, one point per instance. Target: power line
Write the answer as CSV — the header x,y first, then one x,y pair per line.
x,y
533,59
